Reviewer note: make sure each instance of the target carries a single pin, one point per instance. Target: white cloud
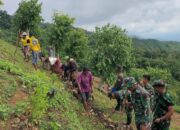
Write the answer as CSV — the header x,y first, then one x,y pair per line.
x,y
144,18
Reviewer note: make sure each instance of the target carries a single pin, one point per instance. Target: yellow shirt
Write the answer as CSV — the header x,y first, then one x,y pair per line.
x,y
24,41
34,44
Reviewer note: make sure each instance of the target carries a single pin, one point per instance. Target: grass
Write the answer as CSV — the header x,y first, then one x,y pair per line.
x,y
177,109
63,111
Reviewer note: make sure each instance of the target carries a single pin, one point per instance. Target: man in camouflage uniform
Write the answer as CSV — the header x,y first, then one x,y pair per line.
x,y
163,109
124,95
141,105
145,83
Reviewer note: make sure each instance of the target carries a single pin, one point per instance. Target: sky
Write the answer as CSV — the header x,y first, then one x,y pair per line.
x,y
158,19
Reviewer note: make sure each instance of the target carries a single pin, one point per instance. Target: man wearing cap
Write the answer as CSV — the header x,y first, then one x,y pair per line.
x,y
25,40
163,109
141,105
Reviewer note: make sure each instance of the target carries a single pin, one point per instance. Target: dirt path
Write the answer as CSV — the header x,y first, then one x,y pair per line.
x,y
14,123
19,96
176,121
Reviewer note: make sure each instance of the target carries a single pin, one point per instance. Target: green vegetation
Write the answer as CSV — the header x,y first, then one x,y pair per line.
x,y
27,17
154,53
61,112
102,51
110,47
1,2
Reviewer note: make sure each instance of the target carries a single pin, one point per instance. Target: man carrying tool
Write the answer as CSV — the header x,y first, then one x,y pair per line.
x,y
25,40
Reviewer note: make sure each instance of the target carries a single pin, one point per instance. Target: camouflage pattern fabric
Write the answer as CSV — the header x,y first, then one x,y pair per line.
x,y
141,105
150,89
126,95
163,101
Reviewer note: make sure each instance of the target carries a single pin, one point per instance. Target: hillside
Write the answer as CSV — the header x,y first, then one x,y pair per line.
x,y
24,101
153,44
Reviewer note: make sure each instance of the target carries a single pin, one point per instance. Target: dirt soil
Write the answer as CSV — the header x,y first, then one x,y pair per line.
x,y
20,95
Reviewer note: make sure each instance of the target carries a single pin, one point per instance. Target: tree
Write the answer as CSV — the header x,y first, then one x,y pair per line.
x,y
5,20
60,29
77,46
27,16
112,47
1,2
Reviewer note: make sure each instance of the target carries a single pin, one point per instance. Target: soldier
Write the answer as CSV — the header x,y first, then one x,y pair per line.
x,y
163,109
124,95
141,105
145,83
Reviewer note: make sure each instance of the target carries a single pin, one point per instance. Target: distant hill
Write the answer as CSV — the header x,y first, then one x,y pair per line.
x,y
151,44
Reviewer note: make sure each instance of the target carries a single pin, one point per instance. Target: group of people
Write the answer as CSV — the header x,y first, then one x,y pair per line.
x,y
82,82
152,104
31,44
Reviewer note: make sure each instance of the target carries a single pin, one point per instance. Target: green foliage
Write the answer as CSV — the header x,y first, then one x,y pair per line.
x,y
27,17
5,20
77,46
20,108
4,111
1,2
4,65
177,108
39,102
158,54
155,73
59,31
111,47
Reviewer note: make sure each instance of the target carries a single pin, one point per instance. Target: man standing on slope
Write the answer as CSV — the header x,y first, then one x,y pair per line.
x,y
25,40
141,104
85,83
36,49
145,83
163,109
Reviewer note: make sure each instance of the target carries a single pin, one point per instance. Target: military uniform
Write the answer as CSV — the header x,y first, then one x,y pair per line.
x,y
125,94
141,105
150,89
163,101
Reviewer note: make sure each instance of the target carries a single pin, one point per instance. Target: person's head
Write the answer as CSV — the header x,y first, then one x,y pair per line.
x,y
85,70
119,69
24,34
112,95
132,85
159,86
120,77
71,60
146,79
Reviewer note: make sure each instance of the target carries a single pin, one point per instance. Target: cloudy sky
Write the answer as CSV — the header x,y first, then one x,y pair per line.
x,y
158,19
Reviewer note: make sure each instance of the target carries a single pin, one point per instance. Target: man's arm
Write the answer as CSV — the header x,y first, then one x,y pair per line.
x,y
167,115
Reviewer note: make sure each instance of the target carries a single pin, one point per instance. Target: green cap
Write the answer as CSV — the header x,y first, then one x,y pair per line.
x,y
159,83
131,83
